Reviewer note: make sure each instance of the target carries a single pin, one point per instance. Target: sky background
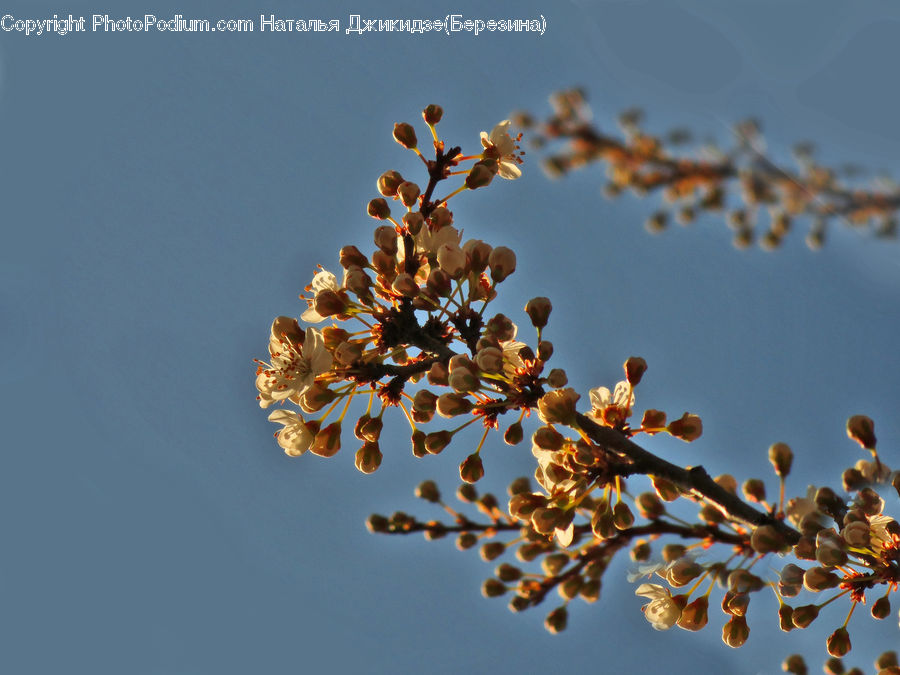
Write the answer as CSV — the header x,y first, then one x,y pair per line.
x,y
166,195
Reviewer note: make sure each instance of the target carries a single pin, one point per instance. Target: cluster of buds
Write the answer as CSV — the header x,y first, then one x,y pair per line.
x,y
407,328
761,199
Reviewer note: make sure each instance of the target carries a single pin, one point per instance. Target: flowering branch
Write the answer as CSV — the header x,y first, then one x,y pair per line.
x,y
429,347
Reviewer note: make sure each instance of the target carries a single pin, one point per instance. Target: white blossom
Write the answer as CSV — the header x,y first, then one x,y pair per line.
x,y
662,611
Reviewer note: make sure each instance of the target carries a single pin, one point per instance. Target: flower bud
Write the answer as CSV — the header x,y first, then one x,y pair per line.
x,y
548,438
405,135
432,114
316,397
376,523
556,620
471,470
386,239
370,429
368,457
557,377
665,489
489,359
838,643
452,260
378,209
451,404
672,552
329,303
785,618
545,351
649,506
853,480
538,310
424,400
466,541
635,367
886,660
428,490
736,631
358,281
502,261
439,282
522,505
544,520
881,608
688,428
348,352
493,588
781,457
408,193
478,254
414,222
742,581
754,490
328,441
818,579
856,534
830,549
735,604
558,407
463,380
492,550
623,518
388,182
695,614
766,539
682,572
513,434
804,615
862,430
795,664
436,441
641,551
590,590
437,374
350,256
418,443
653,421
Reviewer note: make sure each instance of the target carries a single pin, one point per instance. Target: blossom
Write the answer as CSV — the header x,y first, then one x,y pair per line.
x,y
293,367
662,611
294,436
610,408
501,146
322,281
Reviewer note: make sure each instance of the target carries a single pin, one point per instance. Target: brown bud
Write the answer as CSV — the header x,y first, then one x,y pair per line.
x,y
479,175
544,352
623,518
736,631
754,490
781,457
418,443
557,619
590,590
538,310
350,256
328,441
436,441
853,480
695,614
817,579
492,550
432,114
881,608
452,404
838,643
886,660
557,377
665,489
428,490
467,493
785,618
378,209
635,367
376,523
493,588
405,135
558,407
766,539
688,428
466,541
795,664
471,469
438,375
388,182
368,457
804,615
683,571
502,261
649,506
513,434
862,430
641,551
672,552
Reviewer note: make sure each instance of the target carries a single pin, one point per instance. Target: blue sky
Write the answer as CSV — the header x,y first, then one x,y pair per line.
x,y
166,195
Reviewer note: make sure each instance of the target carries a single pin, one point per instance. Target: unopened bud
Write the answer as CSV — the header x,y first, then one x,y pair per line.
x,y
830,549
408,193
432,114
736,631
766,539
558,407
695,614
590,590
538,310
436,441
862,430
804,615
414,222
735,604
428,490
418,443
545,520
439,282
388,182
754,490
688,428
557,377
452,260
368,457
405,135
853,480
623,518
452,404
683,571
405,285
782,457
479,176
881,609
795,664
379,209
665,489
557,620
818,579
641,551
329,303
492,550
838,643
785,618
466,541
635,367
328,441
478,253
513,434
502,261
493,588
471,469
438,375
350,256
672,552
649,506
489,359
463,380
886,659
